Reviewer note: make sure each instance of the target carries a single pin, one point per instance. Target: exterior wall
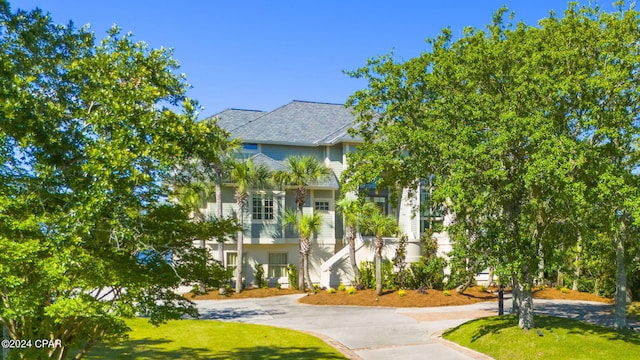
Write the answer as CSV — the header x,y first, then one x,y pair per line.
x,y
334,159
281,152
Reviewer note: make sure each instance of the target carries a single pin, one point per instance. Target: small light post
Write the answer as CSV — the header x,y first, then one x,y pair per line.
x,y
500,301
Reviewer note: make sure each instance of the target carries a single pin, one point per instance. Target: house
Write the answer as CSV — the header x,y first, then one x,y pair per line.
x,y
319,130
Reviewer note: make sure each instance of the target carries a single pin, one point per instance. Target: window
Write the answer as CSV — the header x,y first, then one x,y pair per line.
x,y
232,261
322,205
277,265
249,147
262,207
257,207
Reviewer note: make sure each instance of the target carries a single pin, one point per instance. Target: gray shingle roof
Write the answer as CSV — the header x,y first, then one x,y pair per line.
x,y
299,122
231,119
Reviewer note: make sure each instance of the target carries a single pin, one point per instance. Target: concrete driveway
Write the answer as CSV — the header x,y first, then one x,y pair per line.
x,y
381,332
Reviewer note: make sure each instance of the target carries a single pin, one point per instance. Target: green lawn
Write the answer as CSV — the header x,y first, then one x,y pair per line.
x,y
500,338
205,339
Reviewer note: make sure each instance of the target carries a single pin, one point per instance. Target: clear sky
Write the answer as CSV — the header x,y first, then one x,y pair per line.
x,y
262,54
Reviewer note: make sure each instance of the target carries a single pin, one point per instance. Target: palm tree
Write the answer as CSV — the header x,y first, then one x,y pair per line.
x,y
306,228
380,225
300,172
351,210
246,175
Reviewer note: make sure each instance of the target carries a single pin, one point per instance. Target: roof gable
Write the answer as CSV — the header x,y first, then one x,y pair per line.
x,y
299,122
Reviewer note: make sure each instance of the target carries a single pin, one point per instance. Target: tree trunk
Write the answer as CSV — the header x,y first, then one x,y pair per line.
x,y
203,245
218,191
306,271
577,264
525,300
560,279
621,285
301,284
240,259
540,265
352,254
515,293
378,274
379,245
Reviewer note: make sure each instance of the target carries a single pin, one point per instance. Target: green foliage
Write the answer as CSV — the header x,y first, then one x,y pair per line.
x,y
429,271
342,287
292,276
367,274
403,273
88,237
402,293
331,290
351,290
446,293
523,177
259,276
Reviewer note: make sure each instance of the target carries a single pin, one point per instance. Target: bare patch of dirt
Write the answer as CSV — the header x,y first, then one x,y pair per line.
x,y
553,293
368,297
389,298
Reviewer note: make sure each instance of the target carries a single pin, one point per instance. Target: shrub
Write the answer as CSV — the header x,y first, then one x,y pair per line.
x,y
402,292
446,293
292,275
259,275
422,290
564,290
351,290
342,287
316,288
483,288
542,287
331,290
367,274
278,285
389,278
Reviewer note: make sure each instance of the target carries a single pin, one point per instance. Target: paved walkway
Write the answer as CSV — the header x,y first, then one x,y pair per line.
x,y
380,332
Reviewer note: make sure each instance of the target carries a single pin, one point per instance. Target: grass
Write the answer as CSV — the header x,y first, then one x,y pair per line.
x,y
500,338
204,339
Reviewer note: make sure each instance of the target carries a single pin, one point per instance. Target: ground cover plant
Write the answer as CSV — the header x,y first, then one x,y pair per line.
x,y
198,339
553,338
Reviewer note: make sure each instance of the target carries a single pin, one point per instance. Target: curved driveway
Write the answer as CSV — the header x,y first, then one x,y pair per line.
x,y
382,332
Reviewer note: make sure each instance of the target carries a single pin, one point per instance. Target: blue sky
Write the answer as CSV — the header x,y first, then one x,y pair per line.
x,y
263,54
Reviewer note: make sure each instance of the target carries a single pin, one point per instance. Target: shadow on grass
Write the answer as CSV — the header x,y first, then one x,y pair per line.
x,y
550,324
288,353
147,349
493,325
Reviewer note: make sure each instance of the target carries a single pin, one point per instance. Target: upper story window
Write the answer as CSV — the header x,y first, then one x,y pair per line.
x,y
262,207
321,205
250,147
